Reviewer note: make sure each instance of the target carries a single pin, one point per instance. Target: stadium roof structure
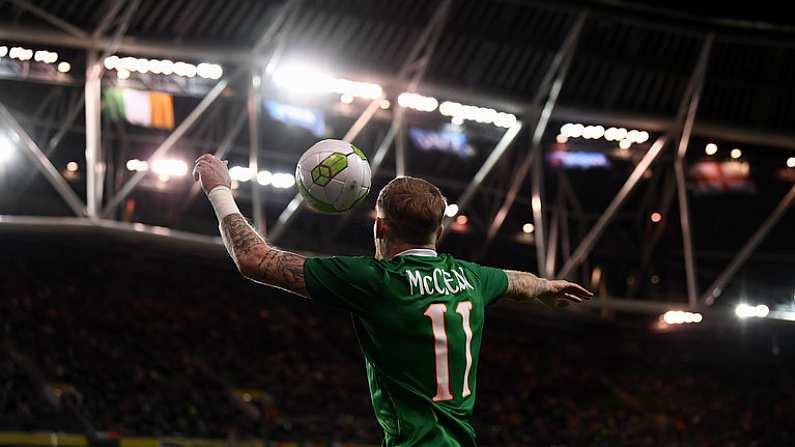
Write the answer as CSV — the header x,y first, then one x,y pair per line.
x,y
640,229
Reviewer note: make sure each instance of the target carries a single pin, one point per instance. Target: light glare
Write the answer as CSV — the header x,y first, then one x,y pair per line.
x,y
451,210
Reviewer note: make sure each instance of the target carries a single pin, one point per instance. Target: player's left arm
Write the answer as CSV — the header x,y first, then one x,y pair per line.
x,y
254,257
524,286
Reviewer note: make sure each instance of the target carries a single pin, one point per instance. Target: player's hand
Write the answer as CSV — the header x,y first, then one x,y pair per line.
x,y
560,293
211,172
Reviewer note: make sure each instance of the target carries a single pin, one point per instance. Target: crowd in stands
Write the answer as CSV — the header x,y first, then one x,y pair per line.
x,y
110,341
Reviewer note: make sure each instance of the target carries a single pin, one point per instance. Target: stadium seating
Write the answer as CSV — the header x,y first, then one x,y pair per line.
x,y
159,345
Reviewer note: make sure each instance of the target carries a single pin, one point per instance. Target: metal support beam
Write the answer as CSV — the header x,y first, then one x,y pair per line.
x,y
169,142
649,245
43,164
105,22
590,239
400,141
205,103
426,41
742,256
552,246
495,155
46,16
94,162
240,56
679,169
252,105
554,78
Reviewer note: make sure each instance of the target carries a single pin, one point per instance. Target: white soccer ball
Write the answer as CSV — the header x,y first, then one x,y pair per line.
x,y
333,176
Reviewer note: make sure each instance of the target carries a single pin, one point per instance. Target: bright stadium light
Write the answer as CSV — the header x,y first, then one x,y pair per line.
x,y
711,149
137,165
744,310
682,317
562,139
169,168
791,162
123,74
418,102
302,78
72,166
451,210
528,228
460,112
736,153
64,67
6,148
240,173
283,180
3,51
625,144
264,178
209,71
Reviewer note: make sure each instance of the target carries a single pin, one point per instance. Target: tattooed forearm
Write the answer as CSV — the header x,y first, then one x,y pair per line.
x,y
524,286
259,261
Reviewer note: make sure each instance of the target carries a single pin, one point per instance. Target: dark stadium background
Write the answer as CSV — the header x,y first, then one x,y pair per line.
x,y
136,325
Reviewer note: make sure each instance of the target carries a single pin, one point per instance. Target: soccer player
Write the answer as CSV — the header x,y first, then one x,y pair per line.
x,y
418,314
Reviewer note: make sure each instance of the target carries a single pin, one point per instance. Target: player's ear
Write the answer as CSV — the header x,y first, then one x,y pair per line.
x,y
439,232
380,228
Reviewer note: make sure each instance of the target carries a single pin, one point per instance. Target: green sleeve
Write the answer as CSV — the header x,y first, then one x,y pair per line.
x,y
493,284
347,282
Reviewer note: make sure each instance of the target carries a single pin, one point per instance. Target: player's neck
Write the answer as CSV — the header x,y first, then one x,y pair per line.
x,y
393,249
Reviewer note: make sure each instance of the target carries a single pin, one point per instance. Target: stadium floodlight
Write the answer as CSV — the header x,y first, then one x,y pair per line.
x,y
791,162
302,78
418,102
711,149
744,310
123,74
6,148
736,153
625,144
169,168
528,228
64,67
283,180
264,178
460,112
209,71
3,51
682,317
240,173
136,165
451,210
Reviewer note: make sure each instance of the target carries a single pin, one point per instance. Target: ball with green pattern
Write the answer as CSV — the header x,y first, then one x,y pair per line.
x,y
333,176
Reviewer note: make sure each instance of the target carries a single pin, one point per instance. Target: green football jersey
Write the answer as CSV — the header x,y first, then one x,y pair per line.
x,y
419,321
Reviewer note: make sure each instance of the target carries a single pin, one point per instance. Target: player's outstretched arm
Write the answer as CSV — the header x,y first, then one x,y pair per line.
x,y
254,257
523,286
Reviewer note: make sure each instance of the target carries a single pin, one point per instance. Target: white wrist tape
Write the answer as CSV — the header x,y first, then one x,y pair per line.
x,y
223,202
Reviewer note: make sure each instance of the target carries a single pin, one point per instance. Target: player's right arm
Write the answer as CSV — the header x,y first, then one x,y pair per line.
x,y
254,257
523,286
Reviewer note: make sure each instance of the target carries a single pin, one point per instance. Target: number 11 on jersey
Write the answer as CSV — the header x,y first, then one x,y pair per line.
x,y
436,313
